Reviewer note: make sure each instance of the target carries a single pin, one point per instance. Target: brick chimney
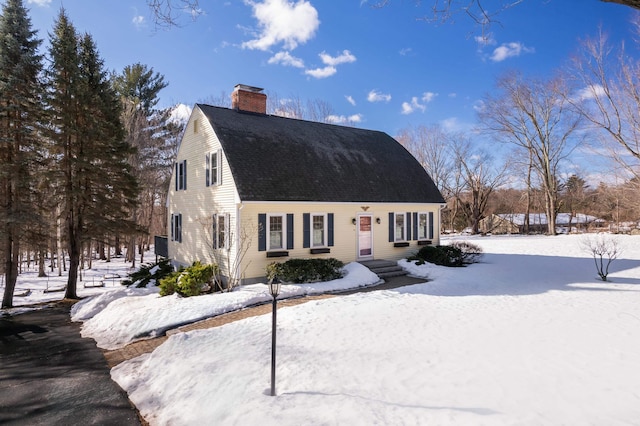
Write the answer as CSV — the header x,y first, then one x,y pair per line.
x,y
249,99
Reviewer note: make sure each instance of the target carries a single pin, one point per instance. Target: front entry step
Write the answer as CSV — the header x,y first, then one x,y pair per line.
x,y
384,268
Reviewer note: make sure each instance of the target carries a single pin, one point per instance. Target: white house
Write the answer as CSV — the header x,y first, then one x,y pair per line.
x,y
250,188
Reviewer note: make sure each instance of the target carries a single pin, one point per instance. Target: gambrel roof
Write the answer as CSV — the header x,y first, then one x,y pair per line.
x,y
282,159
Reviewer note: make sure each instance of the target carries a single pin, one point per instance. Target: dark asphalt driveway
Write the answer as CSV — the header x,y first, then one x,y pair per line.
x,y
49,375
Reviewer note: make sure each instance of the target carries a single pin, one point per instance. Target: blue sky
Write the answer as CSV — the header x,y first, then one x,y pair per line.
x,y
383,68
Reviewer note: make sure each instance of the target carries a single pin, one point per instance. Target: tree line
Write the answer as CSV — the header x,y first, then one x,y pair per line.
x,y
592,107
85,156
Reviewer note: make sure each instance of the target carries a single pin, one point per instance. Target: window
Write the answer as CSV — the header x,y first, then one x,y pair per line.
x,y
276,228
176,227
220,231
318,230
423,226
181,175
400,227
213,164
196,125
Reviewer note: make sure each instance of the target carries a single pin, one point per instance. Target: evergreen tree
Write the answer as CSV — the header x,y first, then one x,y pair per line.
x,y
20,115
93,179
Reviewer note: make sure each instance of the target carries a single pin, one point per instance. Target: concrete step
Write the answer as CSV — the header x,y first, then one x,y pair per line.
x,y
384,268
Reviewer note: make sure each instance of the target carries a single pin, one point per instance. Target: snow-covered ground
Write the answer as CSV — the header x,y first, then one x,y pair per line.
x,y
529,336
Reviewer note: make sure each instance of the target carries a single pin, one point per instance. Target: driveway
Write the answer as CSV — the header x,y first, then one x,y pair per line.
x,y
50,375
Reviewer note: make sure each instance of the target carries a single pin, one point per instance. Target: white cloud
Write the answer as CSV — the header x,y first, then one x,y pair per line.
x,y
478,106
180,114
40,3
589,92
325,72
509,50
452,95
341,119
375,96
351,100
410,107
344,58
428,96
282,21
451,124
285,58
485,40
405,51
138,21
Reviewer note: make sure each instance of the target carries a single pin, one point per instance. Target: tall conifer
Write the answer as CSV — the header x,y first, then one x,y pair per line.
x,y
20,114
92,176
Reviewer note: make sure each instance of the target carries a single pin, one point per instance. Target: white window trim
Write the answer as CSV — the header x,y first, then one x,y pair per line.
x,y
404,227
216,234
217,166
283,216
325,229
426,229
176,227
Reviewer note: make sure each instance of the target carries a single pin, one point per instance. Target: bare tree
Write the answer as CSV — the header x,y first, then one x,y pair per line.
x,y
604,250
536,116
609,99
430,146
480,175
166,13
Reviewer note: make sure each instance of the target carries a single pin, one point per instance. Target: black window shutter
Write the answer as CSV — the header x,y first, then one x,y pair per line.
x,y
172,227
306,231
330,229
207,165
415,226
391,227
185,174
290,231
214,230
177,176
430,225
408,226
262,232
180,227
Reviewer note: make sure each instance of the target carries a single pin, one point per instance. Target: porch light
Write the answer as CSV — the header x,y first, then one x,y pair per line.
x,y
378,220
353,220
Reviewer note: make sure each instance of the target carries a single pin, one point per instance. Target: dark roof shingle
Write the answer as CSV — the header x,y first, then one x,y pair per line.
x,y
281,159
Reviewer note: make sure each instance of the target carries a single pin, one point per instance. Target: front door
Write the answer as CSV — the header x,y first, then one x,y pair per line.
x,y
365,237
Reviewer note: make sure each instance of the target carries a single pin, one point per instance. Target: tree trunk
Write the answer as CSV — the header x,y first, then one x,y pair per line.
x,y
11,271
74,260
41,261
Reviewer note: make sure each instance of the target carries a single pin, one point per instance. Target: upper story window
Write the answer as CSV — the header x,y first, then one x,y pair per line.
x,y
181,175
196,126
400,222
213,165
423,226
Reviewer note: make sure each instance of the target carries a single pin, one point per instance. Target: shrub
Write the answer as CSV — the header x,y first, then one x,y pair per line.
x,y
459,253
148,272
306,270
471,253
191,281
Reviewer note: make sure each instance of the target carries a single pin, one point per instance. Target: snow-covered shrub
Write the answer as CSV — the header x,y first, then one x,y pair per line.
x,y
604,250
148,272
191,281
306,270
471,253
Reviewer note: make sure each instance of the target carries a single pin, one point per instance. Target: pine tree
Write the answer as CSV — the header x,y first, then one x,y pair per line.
x,y
20,115
93,177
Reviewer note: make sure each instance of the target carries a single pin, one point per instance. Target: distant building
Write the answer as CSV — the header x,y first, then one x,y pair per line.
x,y
514,223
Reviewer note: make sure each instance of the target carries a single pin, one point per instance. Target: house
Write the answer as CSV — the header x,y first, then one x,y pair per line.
x,y
513,223
250,188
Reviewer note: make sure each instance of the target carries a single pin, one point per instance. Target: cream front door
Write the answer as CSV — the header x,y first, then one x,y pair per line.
x,y
365,236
